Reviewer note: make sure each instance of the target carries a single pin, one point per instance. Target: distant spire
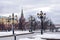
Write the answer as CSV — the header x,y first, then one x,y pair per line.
x,y
22,13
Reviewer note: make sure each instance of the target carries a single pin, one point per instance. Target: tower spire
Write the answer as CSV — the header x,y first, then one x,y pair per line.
x,y
22,21
22,13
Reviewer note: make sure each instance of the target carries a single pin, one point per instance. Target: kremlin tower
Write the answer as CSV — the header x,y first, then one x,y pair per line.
x,y
22,21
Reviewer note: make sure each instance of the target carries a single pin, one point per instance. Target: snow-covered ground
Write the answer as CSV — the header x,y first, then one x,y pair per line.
x,y
55,35
10,33
35,36
50,35
32,39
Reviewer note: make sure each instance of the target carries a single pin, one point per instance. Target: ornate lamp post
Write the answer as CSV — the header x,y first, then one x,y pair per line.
x,y
13,26
13,23
13,18
41,16
31,23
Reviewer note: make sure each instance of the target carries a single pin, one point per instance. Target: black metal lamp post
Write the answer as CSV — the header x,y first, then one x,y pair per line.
x,y
13,23
31,22
40,16
13,26
13,18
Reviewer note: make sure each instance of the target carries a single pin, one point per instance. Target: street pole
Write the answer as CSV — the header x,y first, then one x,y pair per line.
x,y
40,16
12,29
14,36
13,26
31,23
41,24
13,23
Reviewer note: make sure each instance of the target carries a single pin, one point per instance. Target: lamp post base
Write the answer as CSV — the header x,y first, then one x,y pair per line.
x,y
41,31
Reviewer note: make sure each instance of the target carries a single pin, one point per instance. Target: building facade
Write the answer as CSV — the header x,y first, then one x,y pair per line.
x,y
6,24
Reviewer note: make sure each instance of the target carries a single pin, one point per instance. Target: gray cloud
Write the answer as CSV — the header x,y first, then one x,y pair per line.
x,y
31,7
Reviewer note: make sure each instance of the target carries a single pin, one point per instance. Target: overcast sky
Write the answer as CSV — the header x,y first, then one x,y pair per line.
x,y
31,7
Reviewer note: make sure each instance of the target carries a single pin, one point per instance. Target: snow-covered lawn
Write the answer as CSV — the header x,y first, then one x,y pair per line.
x,y
37,37
31,39
10,33
55,35
50,35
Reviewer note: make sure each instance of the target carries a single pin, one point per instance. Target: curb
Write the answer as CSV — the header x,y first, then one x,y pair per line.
x,y
16,35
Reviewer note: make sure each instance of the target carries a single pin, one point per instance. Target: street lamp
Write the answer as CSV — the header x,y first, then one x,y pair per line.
x,y
31,23
13,23
13,18
41,16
